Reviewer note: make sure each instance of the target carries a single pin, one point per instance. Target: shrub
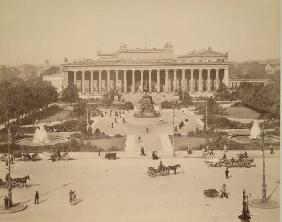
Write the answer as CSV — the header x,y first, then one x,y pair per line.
x,y
169,104
128,105
224,123
114,148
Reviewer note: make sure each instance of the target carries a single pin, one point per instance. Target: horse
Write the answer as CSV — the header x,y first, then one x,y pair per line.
x,y
21,180
174,168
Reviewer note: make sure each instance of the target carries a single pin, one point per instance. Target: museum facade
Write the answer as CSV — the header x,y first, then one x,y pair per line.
x,y
148,69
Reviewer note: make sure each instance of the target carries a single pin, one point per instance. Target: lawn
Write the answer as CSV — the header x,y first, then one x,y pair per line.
x,y
107,144
242,113
60,114
182,141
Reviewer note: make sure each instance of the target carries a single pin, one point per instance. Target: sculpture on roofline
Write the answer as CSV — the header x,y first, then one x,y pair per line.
x,y
168,45
123,46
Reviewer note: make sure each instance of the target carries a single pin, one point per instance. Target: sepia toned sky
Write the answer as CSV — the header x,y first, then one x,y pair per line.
x,y
32,31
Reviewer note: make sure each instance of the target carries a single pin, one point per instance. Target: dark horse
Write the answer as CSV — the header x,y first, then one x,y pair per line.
x,y
174,168
21,180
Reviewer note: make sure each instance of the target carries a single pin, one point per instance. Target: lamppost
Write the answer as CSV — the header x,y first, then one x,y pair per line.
x,y
264,202
263,167
9,168
207,114
173,133
87,115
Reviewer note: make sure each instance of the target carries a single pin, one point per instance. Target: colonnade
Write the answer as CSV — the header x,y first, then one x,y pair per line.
x,y
158,80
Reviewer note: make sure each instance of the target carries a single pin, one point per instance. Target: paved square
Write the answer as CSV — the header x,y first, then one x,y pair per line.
x,y
120,190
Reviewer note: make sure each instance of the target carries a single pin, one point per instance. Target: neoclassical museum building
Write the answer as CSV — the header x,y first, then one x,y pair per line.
x,y
148,69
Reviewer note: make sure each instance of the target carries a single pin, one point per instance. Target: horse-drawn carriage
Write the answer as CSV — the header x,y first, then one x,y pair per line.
x,y
241,161
60,156
163,171
15,182
111,156
30,157
153,172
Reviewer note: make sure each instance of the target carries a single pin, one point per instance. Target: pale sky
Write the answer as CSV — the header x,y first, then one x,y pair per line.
x,y
35,30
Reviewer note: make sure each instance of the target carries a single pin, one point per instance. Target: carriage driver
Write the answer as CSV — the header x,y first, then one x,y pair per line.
x,y
161,166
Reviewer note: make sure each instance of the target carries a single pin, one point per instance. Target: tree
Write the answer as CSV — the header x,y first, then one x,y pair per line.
x,y
52,70
222,93
185,98
80,109
70,94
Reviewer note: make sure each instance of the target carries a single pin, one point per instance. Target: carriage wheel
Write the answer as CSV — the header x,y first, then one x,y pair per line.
x,y
151,174
164,173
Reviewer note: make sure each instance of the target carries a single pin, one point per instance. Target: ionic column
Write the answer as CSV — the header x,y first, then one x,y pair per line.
x,y
226,77
209,80
133,80
174,79
91,82
108,80
83,81
216,79
66,79
200,80
74,78
142,85
116,71
150,80
192,80
182,79
158,80
124,81
166,80
100,81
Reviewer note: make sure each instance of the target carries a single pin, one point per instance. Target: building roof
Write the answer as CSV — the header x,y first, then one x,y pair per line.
x,y
204,53
149,56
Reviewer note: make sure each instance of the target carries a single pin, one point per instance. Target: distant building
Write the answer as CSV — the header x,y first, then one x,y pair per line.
x,y
151,69
235,83
271,66
56,79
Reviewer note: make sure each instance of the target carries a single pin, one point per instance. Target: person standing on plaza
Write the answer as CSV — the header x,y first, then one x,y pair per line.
x,y
211,152
99,151
225,148
6,203
70,195
223,191
36,197
227,173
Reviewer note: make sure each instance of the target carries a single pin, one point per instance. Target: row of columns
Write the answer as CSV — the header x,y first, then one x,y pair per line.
x,y
192,86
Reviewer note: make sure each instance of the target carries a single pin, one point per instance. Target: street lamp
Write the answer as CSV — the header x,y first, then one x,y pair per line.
x,y
264,202
173,133
9,168
207,114
87,115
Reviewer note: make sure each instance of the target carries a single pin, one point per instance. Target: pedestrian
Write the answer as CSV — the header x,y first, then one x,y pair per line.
x,y
142,153
99,151
227,173
36,197
70,195
223,191
225,148
112,125
211,152
153,154
271,150
6,203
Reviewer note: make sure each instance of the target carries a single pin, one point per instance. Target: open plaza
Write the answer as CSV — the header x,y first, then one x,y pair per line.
x,y
140,111
123,187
